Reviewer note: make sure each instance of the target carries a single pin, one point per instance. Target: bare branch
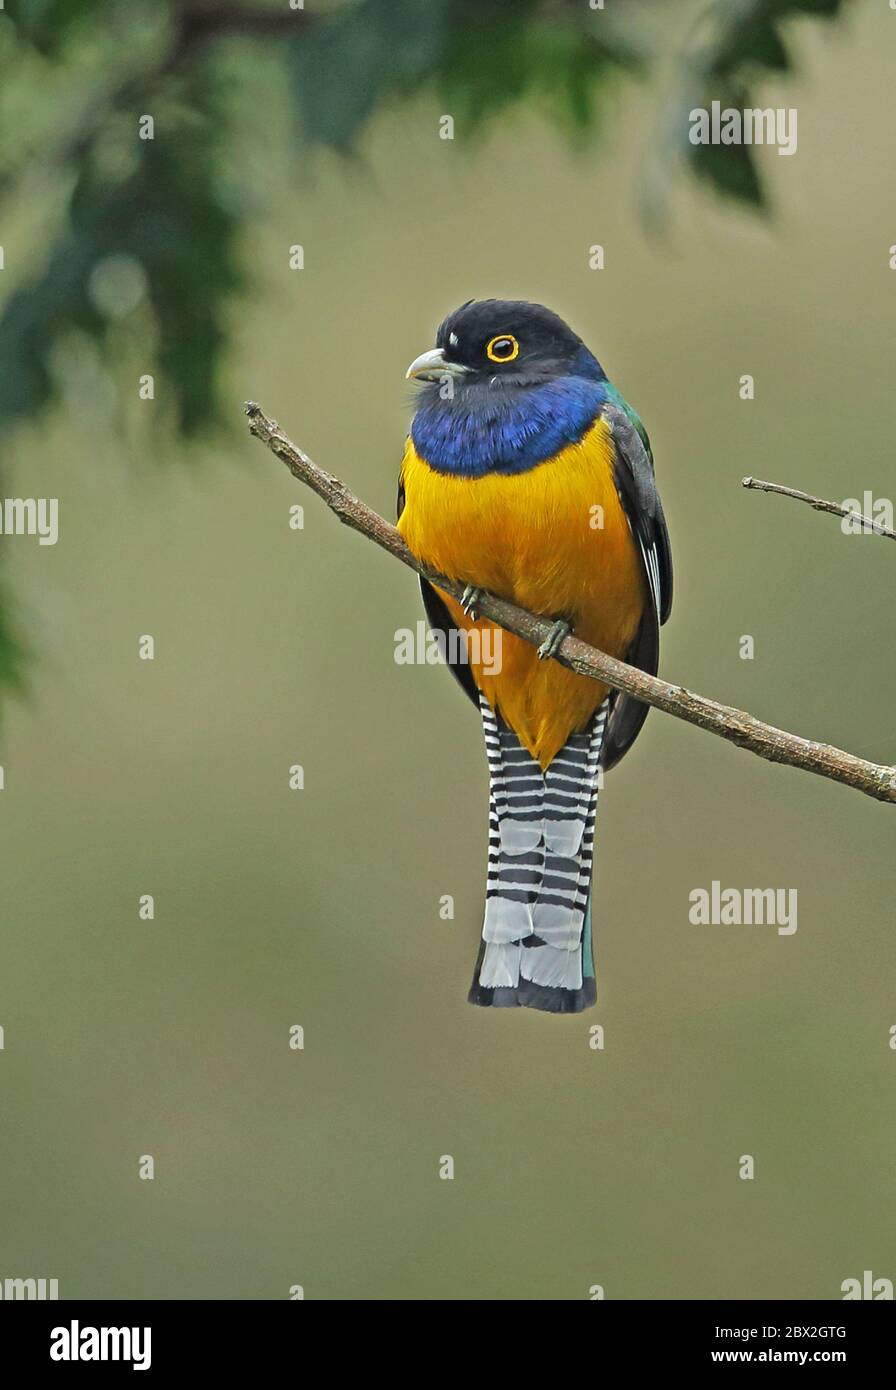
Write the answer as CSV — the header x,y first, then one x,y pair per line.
x,y
819,504
202,21
776,745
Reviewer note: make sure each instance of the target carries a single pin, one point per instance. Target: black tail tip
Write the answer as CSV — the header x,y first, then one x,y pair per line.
x,y
525,995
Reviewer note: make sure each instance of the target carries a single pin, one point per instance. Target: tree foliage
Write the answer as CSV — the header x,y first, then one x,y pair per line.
x,y
77,76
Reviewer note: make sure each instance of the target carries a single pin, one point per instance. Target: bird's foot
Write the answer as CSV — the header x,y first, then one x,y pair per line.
x,y
554,640
470,601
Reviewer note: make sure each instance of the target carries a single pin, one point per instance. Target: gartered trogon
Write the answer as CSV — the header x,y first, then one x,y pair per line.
x,y
526,474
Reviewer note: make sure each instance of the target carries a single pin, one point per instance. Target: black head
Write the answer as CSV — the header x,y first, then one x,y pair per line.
x,y
505,341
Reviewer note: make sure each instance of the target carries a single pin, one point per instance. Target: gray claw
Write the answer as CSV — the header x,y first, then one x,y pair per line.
x,y
554,640
469,601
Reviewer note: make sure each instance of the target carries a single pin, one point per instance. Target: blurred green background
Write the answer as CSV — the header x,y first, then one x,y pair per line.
x,y
320,907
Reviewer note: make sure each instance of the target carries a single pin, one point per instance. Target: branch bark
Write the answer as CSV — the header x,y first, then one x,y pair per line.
x,y
735,725
819,504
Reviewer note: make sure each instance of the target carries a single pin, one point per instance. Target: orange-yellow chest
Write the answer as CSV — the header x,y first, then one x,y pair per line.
x,y
556,540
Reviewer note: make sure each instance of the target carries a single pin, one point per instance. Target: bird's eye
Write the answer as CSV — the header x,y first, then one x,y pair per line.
x,y
504,348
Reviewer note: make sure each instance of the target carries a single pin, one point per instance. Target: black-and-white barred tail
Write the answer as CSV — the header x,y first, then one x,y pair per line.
x,y
536,946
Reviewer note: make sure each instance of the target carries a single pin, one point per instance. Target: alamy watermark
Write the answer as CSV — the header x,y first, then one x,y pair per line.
x,y
420,646
867,1288
751,126
31,516
867,517
38,1289
77,1343
725,907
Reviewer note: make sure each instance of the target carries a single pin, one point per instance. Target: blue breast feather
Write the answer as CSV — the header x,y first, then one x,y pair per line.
x,y
506,428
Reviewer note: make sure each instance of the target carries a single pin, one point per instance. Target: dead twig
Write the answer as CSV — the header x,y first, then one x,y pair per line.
x,y
735,725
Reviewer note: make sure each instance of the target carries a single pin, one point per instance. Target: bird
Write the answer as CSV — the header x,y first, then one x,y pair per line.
x,y
527,475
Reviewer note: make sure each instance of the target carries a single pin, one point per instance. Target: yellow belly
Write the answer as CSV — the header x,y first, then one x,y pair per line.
x,y
555,540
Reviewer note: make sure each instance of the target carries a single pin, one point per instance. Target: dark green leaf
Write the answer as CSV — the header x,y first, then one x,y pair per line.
x,y
167,215
13,653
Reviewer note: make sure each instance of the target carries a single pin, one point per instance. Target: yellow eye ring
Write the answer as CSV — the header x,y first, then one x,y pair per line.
x,y
503,340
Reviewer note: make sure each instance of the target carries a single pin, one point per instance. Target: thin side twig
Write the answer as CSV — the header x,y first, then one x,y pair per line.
x,y
735,725
819,504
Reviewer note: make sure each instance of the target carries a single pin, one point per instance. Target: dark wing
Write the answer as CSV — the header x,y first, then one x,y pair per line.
x,y
636,485
440,621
